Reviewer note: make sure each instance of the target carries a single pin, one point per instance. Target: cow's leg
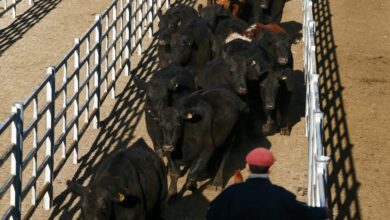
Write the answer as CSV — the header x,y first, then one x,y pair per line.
x,y
218,179
198,167
277,7
174,174
285,125
269,124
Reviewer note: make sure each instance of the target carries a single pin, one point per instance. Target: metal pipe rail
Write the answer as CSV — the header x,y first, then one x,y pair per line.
x,y
317,170
10,5
71,96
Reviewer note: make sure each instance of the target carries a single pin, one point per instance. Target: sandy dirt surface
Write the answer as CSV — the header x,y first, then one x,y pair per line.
x,y
122,118
353,60
36,39
353,82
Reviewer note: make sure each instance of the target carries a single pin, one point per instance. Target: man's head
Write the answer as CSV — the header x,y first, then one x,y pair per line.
x,y
259,160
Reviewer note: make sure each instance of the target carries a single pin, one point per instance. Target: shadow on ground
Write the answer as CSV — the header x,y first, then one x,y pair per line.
x,y
342,181
24,22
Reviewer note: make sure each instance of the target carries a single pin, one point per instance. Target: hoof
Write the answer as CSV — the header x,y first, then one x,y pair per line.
x,y
268,129
160,153
285,131
192,186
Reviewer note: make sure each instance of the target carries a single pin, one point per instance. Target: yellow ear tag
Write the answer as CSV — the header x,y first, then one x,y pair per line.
x,y
253,62
189,115
178,24
284,77
121,197
176,85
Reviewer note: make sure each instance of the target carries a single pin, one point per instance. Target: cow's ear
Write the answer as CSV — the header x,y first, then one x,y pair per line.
x,y
188,40
287,77
126,200
181,80
200,8
77,188
139,83
152,113
296,38
159,14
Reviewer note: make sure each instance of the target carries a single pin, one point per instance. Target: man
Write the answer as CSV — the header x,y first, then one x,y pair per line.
x,y
258,198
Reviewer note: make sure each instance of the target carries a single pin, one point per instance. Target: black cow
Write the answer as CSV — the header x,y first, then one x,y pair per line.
x,y
274,11
198,126
264,11
129,184
164,88
223,30
169,24
191,45
278,46
213,14
256,59
231,71
275,87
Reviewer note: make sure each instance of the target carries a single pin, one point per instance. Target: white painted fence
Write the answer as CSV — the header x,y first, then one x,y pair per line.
x,y
317,170
73,92
10,5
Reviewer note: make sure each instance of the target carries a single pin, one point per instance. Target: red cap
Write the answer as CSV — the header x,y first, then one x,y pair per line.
x,y
260,157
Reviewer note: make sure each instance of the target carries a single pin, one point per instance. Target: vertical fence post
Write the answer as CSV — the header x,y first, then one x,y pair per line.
x,y
97,56
87,73
64,104
31,2
14,9
113,54
133,23
127,37
76,101
34,147
16,160
150,18
167,4
50,98
139,30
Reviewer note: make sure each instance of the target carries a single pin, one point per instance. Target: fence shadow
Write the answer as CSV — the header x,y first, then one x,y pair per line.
x,y
116,131
25,22
342,181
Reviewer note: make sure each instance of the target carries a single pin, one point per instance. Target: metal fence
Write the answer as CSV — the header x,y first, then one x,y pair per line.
x,y
10,5
317,170
66,102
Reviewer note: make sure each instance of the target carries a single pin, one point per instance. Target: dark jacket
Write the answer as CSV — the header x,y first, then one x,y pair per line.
x,y
259,199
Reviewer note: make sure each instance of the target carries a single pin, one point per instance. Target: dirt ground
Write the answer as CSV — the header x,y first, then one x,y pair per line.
x,y
354,65
356,147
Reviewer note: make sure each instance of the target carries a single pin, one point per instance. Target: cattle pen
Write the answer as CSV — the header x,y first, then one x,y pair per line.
x,y
46,128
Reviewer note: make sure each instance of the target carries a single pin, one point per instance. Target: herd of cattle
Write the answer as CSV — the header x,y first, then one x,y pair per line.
x,y
221,67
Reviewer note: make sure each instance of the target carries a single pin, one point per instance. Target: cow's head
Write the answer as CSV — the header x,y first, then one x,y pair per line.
x,y
157,93
264,4
270,86
213,13
168,25
97,202
278,45
182,45
238,73
170,121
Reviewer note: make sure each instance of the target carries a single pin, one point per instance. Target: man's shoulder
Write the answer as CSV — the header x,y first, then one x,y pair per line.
x,y
283,192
